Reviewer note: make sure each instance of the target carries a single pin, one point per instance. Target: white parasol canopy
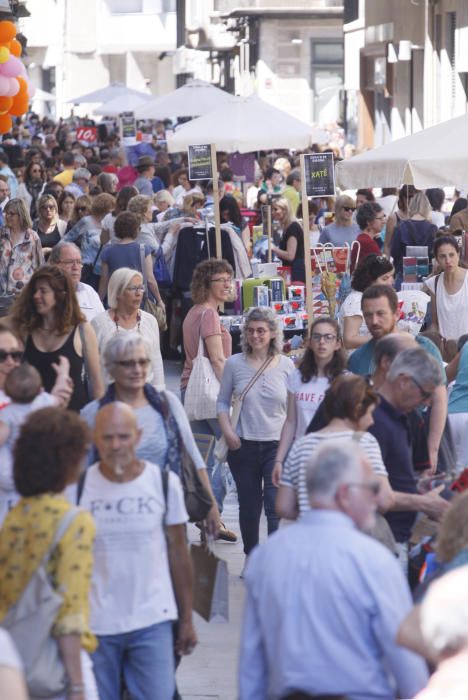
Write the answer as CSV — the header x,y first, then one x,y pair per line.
x,y
106,94
191,100
245,125
43,95
434,157
124,103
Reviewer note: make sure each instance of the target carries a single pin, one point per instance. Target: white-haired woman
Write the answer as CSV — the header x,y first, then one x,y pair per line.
x,y
127,359
124,296
254,442
163,200
343,229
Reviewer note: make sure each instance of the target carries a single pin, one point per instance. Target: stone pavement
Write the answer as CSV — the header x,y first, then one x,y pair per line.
x,y
210,673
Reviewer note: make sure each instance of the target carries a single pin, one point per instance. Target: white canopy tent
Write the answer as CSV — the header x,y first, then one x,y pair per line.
x,y
106,94
434,157
191,100
245,125
124,103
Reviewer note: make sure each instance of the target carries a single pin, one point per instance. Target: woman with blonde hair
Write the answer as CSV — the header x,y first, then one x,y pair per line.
x,y
48,226
343,229
192,203
416,230
124,295
291,248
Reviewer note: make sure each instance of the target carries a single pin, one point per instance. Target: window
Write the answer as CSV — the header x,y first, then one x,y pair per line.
x,y
351,11
327,79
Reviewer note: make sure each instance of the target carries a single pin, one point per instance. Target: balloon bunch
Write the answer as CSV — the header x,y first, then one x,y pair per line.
x,y
15,91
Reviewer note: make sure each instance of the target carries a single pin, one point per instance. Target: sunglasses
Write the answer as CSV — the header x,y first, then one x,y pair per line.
x,y
15,355
349,209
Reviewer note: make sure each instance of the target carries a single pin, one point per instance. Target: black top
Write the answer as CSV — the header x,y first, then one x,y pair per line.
x,y
43,361
48,240
294,230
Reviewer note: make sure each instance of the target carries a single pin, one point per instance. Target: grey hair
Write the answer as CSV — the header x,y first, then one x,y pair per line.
x,y
263,314
81,173
164,196
390,345
119,281
54,257
334,463
444,614
120,345
418,364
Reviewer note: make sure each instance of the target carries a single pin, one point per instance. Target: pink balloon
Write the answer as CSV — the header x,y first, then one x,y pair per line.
x,y
22,71
31,90
13,87
5,86
11,68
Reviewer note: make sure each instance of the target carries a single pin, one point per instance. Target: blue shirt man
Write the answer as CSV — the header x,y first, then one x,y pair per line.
x,y
324,601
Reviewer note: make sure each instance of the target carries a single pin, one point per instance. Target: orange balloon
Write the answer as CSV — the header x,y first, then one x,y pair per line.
x,y
6,103
20,106
7,31
5,123
15,48
23,83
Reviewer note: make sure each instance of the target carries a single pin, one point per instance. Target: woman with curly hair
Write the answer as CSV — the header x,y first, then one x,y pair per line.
x,y
254,442
48,319
322,361
47,458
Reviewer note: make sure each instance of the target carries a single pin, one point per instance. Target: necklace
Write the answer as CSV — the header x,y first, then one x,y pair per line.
x,y
116,321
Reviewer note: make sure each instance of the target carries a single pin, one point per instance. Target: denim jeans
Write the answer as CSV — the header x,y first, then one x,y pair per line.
x,y
145,659
252,466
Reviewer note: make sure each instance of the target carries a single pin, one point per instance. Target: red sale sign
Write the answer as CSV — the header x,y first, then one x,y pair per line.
x,y
86,134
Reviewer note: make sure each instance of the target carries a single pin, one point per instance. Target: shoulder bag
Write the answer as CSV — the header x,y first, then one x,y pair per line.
x,y
30,622
203,386
221,448
151,307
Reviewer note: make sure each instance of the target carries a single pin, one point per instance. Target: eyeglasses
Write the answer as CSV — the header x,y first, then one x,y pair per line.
x,y
133,364
15,355
381,218
327,337
70,263
48,206
136,288
223,280
426,395
256,331
372,486
349,209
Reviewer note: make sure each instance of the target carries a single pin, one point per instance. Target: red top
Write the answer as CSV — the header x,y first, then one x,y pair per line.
x,y
368,247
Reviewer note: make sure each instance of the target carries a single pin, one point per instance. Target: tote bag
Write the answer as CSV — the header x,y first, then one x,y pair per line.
x,y
202,388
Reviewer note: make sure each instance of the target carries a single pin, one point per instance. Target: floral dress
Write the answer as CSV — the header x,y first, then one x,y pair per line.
x,y
18,262
27,533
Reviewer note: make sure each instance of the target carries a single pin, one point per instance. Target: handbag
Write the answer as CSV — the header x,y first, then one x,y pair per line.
x,y
30,622
210,584
221,447
202,388
150,306
161,270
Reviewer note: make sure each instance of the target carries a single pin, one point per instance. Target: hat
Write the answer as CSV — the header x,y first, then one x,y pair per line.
x,y
144,162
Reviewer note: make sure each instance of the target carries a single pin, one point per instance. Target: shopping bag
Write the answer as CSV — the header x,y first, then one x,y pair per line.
x,y
210,584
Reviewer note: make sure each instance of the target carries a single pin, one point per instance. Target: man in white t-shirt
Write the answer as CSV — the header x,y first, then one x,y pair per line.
x,y
142,579
67,256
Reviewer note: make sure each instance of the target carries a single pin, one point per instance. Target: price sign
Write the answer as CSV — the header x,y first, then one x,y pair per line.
x,y
319,175
86,134
200,162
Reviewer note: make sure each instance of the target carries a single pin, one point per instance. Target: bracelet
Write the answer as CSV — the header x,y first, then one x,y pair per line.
x,y
76,688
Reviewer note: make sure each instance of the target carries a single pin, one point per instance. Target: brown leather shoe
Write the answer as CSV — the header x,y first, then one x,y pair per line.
x,y
226,535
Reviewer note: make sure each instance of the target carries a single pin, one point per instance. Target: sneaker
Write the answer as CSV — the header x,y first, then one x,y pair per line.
x,y
226,535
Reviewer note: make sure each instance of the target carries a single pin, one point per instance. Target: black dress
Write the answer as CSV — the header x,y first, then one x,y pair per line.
x,y
294,230
43,361
48,240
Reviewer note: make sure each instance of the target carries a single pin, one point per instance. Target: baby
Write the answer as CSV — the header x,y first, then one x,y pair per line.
x,y
23,386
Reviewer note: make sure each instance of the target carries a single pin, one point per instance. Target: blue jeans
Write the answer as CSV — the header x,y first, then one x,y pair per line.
x,y
252,466
145,659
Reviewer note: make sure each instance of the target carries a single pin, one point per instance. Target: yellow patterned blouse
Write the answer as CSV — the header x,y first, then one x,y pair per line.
x,y
27,533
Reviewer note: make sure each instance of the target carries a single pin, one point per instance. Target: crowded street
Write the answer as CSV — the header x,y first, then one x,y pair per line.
x,y
233,350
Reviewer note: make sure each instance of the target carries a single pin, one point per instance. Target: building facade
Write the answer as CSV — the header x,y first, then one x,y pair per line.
x,y
406,66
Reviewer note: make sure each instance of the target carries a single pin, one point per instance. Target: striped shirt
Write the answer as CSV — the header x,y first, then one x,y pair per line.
x,y
294,472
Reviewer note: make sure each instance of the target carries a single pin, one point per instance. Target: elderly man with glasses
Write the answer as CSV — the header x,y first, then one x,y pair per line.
x,y
67,256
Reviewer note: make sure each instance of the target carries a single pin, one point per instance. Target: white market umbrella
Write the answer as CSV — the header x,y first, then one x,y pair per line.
x,y
248,124
106,94
434,157
43,96
191,100
124,103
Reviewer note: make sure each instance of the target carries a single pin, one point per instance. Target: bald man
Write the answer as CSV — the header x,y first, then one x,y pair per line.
x,y
142,580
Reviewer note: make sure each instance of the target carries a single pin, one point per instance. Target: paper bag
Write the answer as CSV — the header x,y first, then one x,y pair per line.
x,y
210,585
